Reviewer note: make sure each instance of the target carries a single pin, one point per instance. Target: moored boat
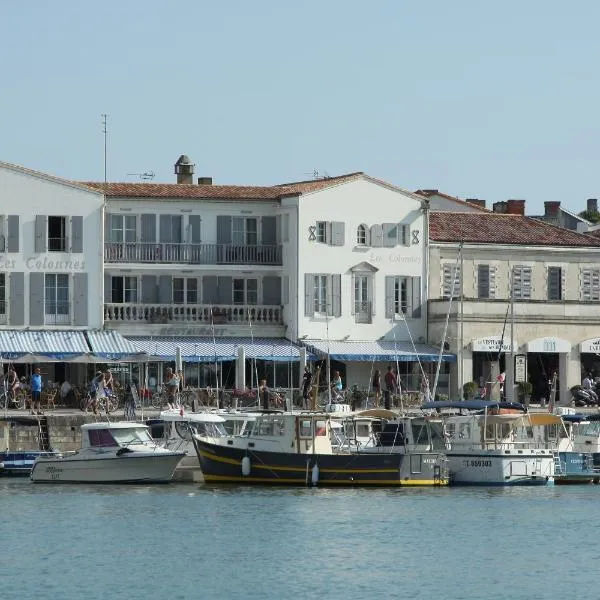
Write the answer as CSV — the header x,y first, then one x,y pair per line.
x,y
120,452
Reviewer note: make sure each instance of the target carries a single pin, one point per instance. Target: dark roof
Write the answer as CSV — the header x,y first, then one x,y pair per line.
x,y
218,192
499,228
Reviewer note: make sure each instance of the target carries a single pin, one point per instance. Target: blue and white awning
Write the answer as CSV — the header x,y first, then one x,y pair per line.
x,y
376,350
112,346
202,349
50,345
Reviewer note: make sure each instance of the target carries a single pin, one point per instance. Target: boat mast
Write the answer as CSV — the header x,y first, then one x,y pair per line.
x,y
509,379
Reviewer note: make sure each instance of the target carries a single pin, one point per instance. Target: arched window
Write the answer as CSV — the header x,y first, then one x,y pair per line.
x,y
362,235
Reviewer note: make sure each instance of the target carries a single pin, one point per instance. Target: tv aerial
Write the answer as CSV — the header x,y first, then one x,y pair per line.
x,y
145,176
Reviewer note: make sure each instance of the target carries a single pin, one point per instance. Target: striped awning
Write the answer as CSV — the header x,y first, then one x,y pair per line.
x,y
51,345
376,350
202,349
111,345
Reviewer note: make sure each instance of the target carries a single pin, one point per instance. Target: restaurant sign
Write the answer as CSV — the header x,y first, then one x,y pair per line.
x,y
590,346
492,344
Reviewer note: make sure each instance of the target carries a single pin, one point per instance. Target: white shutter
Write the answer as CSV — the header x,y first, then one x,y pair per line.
x,y
447,291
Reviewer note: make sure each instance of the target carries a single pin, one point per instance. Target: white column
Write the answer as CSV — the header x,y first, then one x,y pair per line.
x,y
240,369
569,369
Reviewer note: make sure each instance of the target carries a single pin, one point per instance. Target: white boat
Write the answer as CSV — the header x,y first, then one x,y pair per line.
x,y
121,452
495,443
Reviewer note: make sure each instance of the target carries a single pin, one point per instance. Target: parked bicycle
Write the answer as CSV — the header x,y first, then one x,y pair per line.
x,y
16,399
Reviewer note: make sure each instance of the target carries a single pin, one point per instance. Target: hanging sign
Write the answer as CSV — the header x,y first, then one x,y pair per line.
x,y
520,368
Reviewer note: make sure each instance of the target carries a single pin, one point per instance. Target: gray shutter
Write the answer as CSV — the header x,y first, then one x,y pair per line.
x,y
194,223
390,235
483,281
337,233
36,298
269,230
389,296
405,231
272,291
107,220
77,235
209,290
353,294
225,290
223,229
165,289
286,289
309,295
17,299
165,229
12,242
336,296
376,235
492,282
107,288
40,234
149,289
416,298
148,233
80,301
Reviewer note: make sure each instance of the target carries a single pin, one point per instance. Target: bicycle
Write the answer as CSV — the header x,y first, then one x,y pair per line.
x,y
16,400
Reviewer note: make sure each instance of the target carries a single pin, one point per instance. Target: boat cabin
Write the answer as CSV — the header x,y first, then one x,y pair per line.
x,y
95,436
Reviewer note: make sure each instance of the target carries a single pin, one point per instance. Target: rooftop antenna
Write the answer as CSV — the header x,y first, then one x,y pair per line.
x,y
317,175
105,132
145,176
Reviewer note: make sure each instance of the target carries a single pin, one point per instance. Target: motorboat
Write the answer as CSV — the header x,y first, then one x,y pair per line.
x,y
119,452
296,448
24,439
495,443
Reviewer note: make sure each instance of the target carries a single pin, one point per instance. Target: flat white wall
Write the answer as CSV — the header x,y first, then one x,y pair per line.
x,y
27,194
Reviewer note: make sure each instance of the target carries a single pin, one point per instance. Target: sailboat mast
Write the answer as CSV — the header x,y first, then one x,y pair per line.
x,y
509,383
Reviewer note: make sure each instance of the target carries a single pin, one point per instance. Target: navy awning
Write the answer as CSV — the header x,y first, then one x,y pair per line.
x,y
43,345
203,349
112,346
376,350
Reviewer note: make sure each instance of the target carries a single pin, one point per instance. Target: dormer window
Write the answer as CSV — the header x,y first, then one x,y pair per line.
x,y
361,235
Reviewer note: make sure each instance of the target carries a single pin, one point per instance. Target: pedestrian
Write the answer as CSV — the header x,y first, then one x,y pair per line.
x,y
390,381
264,394
337,386
36,391
96,391
376,385
306,386
426,394
12,383
171,387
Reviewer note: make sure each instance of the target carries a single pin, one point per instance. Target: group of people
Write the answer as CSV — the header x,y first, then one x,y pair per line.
x,y
12,384
392,386
102,385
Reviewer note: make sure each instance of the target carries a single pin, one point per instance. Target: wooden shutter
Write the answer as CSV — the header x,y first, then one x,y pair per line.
x,y
77,235
210,293
271,291
337,233
447,291
149,289
107,288
36,298
309,294
390,235
334,295
225,288
416,298
223,229
195,222
16,299
41,233
376,235
286,289
80,300
12,241
148,226
492,274
269,230
165,289
390,282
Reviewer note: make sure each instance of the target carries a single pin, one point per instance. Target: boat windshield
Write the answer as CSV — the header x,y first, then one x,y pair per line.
x,y
133,435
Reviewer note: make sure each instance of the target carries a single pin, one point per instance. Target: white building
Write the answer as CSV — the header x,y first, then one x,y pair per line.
x,y
555,287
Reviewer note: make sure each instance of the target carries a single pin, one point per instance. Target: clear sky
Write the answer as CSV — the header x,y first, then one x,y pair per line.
x,y
484,99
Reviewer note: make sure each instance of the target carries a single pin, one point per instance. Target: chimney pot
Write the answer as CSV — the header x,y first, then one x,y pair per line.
x,y
592,205
551,209
184,169
515,207
204,180
499,207
476,202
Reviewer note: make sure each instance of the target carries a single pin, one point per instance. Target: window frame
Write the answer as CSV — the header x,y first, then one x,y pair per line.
x,y
550,284
362,235
245,290
56,317
61,243
320,289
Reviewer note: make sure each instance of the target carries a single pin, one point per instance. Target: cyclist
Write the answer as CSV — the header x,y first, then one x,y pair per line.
x,y
171,387
12,383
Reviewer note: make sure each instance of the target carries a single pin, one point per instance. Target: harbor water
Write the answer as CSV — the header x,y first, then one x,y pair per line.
x,y
180,541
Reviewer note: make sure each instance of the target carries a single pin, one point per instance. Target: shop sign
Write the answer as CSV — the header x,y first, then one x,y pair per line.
x,y
590,346
520,368
491,344
549,345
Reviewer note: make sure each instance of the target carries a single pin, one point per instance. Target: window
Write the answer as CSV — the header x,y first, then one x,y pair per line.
x,y
448,289
245,291
361,235
170,229
56,295
320,294
122,228
185,290
555,291
486,276
400,295
322,232
590,285
57,234
521,278
2,294
361,294
101,438
403,296
330,232
244,231
124,289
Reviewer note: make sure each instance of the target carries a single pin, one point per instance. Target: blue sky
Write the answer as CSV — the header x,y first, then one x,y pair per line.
x,y
494,100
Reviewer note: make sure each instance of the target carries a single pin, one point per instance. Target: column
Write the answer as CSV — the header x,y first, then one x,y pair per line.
x,y
569,369
240,368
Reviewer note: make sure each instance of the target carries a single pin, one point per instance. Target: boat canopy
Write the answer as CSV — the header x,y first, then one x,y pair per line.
x,y
203,417
472,405
381,413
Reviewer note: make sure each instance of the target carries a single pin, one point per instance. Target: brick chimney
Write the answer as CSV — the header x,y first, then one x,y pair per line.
x,y
515,207
476,202
184,169
204,180
500,207
551,209
592,205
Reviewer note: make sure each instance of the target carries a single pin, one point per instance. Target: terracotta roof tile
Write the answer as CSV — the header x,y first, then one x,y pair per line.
x,y
498,228
429,193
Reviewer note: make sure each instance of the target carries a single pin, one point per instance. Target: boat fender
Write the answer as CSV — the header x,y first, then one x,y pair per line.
x,y
315,474
246,466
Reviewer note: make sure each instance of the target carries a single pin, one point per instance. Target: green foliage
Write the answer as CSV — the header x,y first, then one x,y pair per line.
x,y
592,216
525,388
469,390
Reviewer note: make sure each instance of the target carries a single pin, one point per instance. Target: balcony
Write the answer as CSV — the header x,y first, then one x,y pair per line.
x,y
362,312
193,254
193,314
57,313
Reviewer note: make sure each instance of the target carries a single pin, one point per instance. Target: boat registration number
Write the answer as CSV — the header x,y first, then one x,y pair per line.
x,y
477,463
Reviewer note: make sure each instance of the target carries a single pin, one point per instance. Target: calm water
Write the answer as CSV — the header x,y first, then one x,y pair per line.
x,y
193,541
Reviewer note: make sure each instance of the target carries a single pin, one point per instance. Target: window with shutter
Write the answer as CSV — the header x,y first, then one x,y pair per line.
x,y
3,298
361,235
124,289
483,281
521,288
56,299
555,282
450,289
322,231
57,234
590,285
320,294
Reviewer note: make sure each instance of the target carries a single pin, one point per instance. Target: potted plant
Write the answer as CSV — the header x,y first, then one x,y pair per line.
x,y
469,390
525,389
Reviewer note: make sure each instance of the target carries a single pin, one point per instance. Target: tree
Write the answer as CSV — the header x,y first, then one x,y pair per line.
x,y
593,216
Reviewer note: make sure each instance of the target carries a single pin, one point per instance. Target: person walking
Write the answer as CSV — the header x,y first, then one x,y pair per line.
x,y
171,388
36,391
391,382
376,385
306,387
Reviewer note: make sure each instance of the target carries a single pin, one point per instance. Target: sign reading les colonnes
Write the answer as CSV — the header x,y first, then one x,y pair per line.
x,y
491,344
590,346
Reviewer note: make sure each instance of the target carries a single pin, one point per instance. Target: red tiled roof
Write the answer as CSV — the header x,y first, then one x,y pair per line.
x,y
218,192
498,228
429,193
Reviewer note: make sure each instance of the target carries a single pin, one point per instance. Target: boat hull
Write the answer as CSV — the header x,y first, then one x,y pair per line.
x,y
128,468
501,468
576,468
223,464
19,464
